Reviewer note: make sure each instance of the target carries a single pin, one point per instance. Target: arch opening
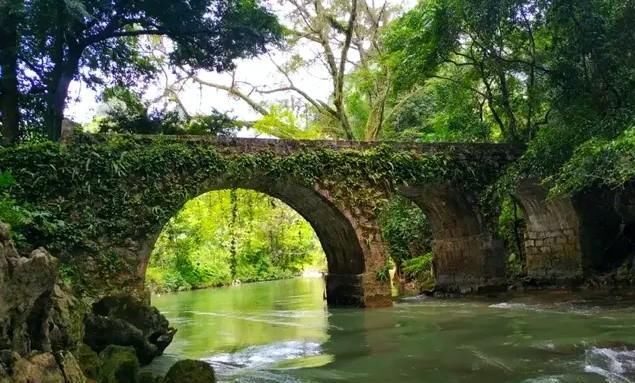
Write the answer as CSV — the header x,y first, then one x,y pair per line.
x,y
467,258
406,230
229,237
552,248
335,230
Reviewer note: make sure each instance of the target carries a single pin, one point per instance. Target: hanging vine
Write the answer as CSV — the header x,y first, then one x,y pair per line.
x,y
233,262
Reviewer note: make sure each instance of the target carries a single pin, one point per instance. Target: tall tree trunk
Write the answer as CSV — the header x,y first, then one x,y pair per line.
x,y
55,108
58,88
9,93
66,53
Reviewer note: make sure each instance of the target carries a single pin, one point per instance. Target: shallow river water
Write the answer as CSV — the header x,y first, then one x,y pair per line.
x,y
282,332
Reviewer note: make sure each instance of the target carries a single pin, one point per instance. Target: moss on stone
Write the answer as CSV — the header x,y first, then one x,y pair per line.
x,y
148,377
89,362
120,365
190,371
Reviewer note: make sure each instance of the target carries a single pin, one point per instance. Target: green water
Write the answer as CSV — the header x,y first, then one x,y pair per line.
x,y
282,332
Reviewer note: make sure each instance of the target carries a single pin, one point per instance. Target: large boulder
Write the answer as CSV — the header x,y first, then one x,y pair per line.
x,y
47,368
37,368
120,365
125,321
190,371
90,362
66,322
102,332
70,367
26,284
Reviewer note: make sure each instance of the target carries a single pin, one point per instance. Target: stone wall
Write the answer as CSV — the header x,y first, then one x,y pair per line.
x,y
552,238
469,264
554,254
116,193
467,257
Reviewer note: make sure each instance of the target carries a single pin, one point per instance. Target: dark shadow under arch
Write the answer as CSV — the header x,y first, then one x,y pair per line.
x,y
466,256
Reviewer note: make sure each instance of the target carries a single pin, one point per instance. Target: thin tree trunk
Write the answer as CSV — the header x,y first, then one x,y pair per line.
x,y
9,93
517,233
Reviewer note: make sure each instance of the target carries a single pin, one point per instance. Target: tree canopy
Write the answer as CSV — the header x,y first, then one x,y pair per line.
x,y
48,43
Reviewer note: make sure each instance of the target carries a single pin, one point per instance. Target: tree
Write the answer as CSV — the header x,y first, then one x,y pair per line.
x,y
532,64
345,36
126,112
492,47
98,42
10,15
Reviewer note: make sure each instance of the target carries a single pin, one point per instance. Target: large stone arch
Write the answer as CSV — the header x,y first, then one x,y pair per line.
x,y
467,258
353,250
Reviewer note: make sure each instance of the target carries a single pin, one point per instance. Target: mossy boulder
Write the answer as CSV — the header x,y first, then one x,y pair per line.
x,y
89,361
148,377
126,321
67,319
190,371
26,283
37,368
70,367
120,365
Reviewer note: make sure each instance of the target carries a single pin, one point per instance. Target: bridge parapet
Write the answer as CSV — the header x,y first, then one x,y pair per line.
x,y
503,153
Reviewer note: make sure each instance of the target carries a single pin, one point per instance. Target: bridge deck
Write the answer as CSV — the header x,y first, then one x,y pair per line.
x,y
283,145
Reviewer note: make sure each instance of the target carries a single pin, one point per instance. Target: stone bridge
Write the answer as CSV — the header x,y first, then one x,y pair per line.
x,y
115,194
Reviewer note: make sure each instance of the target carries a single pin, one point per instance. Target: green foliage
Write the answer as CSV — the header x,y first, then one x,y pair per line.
x,y
11,212
195,249
440,111
383,274
419,267
127,113
511,229
104,43
406,229
282,123
599,162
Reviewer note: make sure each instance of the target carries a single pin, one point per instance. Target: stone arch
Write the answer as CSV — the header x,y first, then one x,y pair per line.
x,y
466,256
342,235
552,244
568,237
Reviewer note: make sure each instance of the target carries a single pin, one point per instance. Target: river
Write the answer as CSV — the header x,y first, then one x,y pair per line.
x,y
282,332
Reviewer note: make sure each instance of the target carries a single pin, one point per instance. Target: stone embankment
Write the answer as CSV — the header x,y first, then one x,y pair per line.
x,y
47,335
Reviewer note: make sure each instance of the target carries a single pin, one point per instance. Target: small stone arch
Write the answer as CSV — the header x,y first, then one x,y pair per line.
x,y
344,238
568,237
552,244
467,258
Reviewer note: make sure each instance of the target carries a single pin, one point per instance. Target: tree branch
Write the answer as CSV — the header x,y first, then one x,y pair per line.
x,y
234,92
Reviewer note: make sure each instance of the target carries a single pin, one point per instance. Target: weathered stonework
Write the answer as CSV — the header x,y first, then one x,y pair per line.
x,y
114,186
467,258
553,255
553,249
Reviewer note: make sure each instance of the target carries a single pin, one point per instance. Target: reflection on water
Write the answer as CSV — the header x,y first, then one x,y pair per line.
x,y
282,332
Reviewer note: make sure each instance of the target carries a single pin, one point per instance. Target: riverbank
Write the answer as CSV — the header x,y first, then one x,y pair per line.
x,y
154,287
